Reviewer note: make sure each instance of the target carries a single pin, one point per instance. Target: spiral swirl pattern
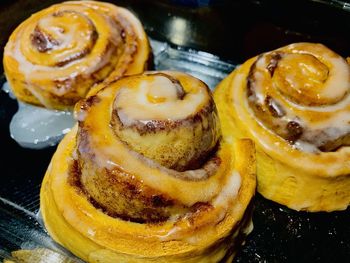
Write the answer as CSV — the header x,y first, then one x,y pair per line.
x,y
147,164
54,57
301,92
294,103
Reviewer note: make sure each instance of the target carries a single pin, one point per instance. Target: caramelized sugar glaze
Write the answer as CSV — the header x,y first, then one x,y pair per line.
x,y
148,167
294,103
57,55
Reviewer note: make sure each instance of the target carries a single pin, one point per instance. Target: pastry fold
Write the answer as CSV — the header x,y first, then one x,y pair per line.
x,y
294,103
58,54
147,176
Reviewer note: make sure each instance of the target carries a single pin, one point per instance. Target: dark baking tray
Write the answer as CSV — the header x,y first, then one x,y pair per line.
x,y
235,31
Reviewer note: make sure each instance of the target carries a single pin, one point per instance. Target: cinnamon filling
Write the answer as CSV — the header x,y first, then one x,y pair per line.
x,y
153,126
160,106
275,57
272,82
178,147
41,41
150,216
72,47
131,191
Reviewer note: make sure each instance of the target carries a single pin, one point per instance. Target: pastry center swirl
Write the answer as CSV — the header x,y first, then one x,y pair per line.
x,y
148,147
166,122
60,38
301,92
60,54
159,99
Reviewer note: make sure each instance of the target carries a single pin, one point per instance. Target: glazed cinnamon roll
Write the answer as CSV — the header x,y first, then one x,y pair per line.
x,y
294,103
146,175
54,57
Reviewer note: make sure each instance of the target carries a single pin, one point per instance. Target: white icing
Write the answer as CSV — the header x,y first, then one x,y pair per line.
x,y
172,234
37,94
35,127
80,115
103,161
7,89
337,83
135,104
28,68
249,228
222,202
229,191
91,232
258,88
306,147
336,88
69,45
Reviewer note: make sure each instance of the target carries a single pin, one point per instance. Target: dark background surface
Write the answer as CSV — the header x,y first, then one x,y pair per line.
x,y
232,29
235,31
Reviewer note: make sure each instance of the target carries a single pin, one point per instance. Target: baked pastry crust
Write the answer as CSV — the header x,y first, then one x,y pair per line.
x,y
209,229
57,55
277,99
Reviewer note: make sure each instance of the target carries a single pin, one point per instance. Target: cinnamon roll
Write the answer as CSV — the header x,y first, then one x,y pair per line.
x,y
57,55
146,175
294,103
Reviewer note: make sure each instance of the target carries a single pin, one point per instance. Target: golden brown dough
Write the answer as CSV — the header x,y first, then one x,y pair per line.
x,y
294,103
58,54
147,176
